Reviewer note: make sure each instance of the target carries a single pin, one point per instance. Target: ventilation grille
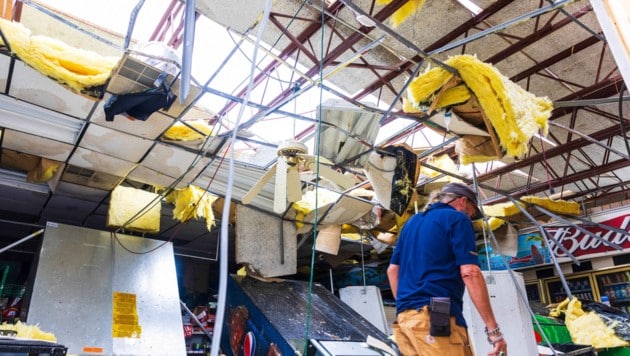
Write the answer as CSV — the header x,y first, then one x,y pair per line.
x,y
133,76
90,178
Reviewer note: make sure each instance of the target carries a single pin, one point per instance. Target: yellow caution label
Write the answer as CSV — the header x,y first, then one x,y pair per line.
x,y
121,330
127,319
125,316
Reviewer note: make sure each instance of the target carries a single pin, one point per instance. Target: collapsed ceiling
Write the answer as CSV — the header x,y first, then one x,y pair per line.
x,y
551,49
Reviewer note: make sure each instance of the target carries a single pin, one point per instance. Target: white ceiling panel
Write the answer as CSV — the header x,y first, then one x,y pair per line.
x,y
148,176
35,145
100,162
30,85
152,128
173,161
115,143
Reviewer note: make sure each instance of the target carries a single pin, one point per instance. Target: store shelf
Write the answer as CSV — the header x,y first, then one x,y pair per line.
x,y
615,284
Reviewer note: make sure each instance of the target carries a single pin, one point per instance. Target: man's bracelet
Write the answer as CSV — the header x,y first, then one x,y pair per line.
x,y
495,331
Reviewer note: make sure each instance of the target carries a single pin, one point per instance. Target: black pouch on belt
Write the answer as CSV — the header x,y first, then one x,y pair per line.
x,y
440,316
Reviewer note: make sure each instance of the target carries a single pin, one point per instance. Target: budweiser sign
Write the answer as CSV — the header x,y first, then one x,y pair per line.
x,y
578,243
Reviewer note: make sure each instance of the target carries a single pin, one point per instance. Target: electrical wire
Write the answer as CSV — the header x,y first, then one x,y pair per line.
x,y
621,118
316,218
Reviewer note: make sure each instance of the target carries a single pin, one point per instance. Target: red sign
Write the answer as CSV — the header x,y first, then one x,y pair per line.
x,y
578,243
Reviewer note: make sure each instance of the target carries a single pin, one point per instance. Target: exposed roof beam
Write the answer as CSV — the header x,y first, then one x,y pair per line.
x,y
542,186
542,32
554,151
556,58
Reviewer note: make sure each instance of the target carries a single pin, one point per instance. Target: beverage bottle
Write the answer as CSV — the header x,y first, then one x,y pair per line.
x,y
618,294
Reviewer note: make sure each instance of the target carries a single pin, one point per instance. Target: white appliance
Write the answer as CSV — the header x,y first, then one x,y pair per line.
x,y
511,312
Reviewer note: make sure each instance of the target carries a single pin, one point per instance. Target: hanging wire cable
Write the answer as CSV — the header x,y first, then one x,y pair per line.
x,y
621,118
546,164
316,218
223,250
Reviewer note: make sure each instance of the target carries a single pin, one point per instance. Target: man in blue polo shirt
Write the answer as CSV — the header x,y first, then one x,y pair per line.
x,y
434,259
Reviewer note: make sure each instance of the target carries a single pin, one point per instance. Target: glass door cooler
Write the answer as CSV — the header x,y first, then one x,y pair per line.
x,y
615,283
532,288
581,286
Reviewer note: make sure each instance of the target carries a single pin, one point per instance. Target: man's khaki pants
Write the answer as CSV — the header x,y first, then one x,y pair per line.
x,y
411,333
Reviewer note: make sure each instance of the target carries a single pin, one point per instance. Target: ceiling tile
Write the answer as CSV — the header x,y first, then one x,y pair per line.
x,y
36,145
115,143
148,176
100,162
174,161
152,128
30,85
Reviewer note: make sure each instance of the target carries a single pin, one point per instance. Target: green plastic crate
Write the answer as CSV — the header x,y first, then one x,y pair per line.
x,y
555,331
614,351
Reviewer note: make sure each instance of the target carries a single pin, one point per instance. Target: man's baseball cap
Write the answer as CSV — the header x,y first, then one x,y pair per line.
x,y
462,189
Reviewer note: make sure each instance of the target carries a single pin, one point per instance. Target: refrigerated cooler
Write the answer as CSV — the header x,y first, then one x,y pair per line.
x,y
581,285
613,282
532,288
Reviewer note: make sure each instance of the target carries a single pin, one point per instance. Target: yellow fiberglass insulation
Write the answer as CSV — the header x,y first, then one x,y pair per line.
x,y
182,132
492,224
77,68
443,162
556,206
588,328
501,209
306,205
31,332
192,202
134,209
408,9
452,96
515,114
